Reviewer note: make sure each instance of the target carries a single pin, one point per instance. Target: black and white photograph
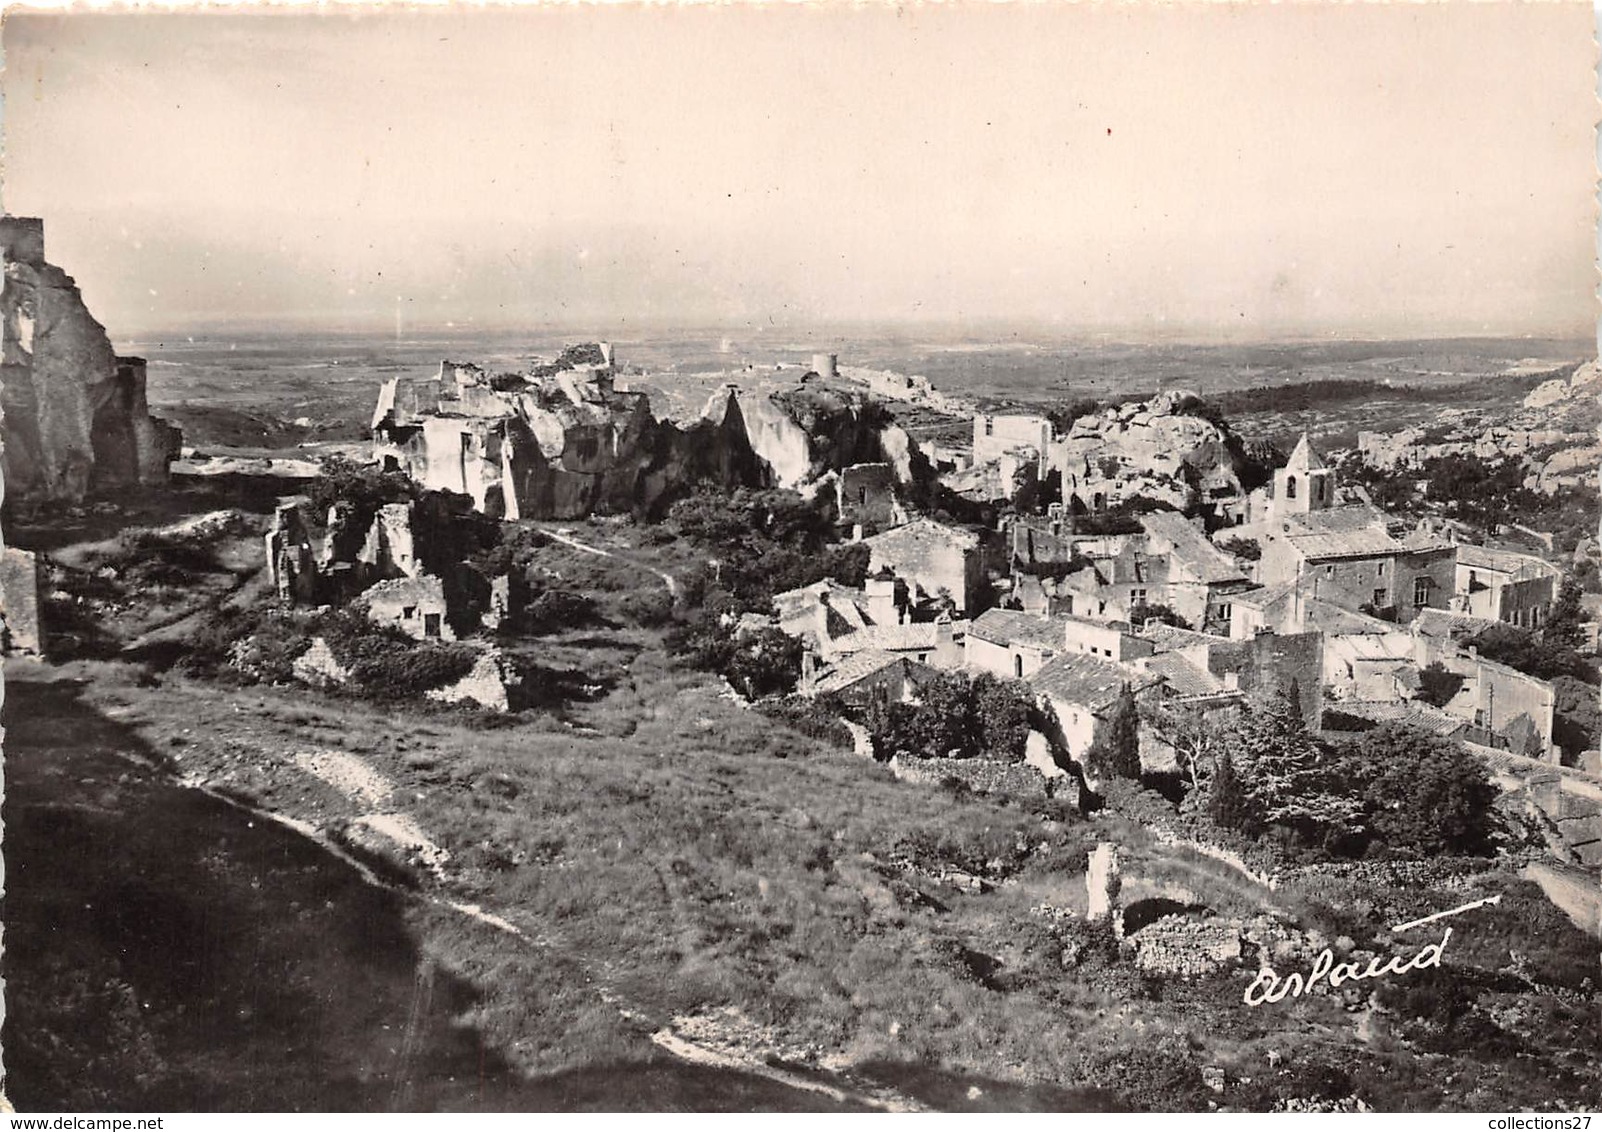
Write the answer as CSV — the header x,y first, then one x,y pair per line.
x,y
801,557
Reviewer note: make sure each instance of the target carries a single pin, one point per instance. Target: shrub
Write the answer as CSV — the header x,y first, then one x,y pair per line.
x,y
1438,684
1421,793
808,717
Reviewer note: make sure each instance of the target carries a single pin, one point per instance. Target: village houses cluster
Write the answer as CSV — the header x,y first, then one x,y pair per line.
x,y
1336,602
1298,585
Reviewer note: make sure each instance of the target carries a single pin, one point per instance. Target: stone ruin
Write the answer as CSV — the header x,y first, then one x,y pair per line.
x,y
76,418
379,562
1101,883
19,603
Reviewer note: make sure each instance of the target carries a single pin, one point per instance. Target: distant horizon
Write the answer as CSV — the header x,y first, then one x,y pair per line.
x,y
993,333
1152,172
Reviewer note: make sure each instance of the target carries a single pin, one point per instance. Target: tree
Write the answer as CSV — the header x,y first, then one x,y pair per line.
x,y
1227,801
1000,717
1562,628
1421,793
1245,549
1437,684
1116,749
1185,728
1286,774
956,717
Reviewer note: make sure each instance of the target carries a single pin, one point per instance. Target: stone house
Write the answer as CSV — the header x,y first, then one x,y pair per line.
x,y
1016,645
865,495
938,643
415,606
1083,690
1511,587
1261,664
1505,708
1348,558
932,558
1170,563
1370,666
863,677
995,435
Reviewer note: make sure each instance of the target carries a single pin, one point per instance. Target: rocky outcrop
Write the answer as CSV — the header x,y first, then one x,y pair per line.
x,y
1162,450
1553,433
567,443
76,418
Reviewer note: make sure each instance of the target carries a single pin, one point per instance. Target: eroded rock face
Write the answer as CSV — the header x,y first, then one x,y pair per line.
x,y
76,419
568,444
1158,449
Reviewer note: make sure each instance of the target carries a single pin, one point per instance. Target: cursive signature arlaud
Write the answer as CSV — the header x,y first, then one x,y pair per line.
x,y
1269,987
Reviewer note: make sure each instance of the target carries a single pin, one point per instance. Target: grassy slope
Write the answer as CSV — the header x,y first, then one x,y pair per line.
x,y
692,856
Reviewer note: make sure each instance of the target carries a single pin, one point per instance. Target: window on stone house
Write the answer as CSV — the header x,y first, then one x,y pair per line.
x,y
1225,611
1329,571
1137,597
430,624
1379,597
1421,591
1017,666
1379,568
1290,487
1101,607
409,612
990,426
1068,606
1479,717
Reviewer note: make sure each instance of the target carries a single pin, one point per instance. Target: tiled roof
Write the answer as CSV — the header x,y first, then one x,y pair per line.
x,y
1368,542
1009,626
1409,712
1264,596
1089,681
1182,676
1448,626
1167,638
1503,561
910,637
1333,520
1191,549
853,668
922,531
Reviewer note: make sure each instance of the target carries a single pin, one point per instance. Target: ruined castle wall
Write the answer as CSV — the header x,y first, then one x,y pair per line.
x,y
75,415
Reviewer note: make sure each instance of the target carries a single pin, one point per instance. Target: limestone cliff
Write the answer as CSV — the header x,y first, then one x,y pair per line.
x,y
76,419
1163,449
567,443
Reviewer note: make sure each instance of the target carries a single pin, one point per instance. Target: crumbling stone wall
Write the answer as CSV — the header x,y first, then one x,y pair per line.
x,y
491,684
986,776
19,603
1178,946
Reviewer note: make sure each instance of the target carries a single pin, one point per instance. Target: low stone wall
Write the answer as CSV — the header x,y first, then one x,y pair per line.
x,y
1181,947
986,776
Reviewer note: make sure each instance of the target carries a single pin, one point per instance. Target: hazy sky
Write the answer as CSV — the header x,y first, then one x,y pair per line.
x,y
1388,169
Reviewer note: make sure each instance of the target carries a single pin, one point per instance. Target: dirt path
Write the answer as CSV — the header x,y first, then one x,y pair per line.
x,y
562,536
364,786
